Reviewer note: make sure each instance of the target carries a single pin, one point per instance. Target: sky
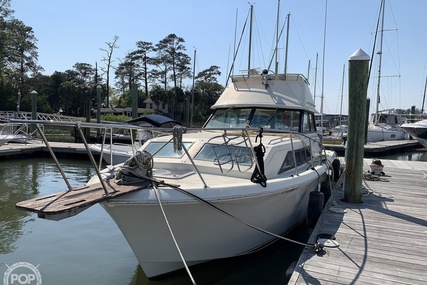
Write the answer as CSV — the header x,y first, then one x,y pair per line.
x,y
323,34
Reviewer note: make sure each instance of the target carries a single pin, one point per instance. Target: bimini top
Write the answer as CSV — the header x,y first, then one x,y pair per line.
x,y
155,120
268,91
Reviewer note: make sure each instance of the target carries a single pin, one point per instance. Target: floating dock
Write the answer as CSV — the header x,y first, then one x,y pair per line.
x,y
381,240
18,149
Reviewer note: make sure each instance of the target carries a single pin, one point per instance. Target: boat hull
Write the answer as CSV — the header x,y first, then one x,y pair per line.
x,y
203,232
418,130
377,134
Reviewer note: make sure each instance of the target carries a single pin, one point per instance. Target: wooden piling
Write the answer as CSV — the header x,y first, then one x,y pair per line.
x,y
357,94
134,93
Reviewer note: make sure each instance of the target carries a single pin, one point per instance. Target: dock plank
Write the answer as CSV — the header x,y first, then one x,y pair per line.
x,y
382,239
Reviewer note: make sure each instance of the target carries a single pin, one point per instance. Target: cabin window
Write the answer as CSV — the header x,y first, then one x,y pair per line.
x,y
308,123
222,154
302,156
278,119
229,118
161,149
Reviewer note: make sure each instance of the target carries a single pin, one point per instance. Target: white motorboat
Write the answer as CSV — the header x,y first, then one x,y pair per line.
x,y
224,190
215,173
385,127
417,130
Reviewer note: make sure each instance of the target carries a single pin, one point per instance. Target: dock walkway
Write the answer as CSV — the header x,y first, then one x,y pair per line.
x,y
18,149
382,240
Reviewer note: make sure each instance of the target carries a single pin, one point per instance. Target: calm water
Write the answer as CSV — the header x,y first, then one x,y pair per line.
x,y
90,249
418,155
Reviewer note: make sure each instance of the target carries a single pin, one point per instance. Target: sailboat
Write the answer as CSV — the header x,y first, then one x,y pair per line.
x,y
383,126
227,189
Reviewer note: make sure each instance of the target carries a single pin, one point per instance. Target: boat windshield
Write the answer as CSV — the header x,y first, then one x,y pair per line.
x,y
161,149
222,154
229,118
275,119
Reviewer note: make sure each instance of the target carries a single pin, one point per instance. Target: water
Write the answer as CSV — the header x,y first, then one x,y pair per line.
x,y
90,249
417,155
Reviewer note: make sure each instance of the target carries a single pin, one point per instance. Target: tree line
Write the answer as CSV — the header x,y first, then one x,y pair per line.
x,y
158,69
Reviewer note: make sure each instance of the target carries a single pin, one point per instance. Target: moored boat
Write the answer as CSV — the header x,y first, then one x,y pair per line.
x,y
215,172
224,190
417,130
383,126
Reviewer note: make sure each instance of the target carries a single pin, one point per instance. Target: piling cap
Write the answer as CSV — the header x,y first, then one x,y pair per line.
x,y
359,55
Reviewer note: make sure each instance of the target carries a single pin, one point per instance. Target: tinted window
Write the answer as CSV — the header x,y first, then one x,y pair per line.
x,y
301,155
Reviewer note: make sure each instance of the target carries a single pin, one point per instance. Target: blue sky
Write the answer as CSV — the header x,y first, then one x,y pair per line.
x,y
74,31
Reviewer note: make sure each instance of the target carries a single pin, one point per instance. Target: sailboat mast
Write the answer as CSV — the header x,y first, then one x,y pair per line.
x,y
287,40
315,78
342,92
323,67
250,40
424,97
276,68
380,53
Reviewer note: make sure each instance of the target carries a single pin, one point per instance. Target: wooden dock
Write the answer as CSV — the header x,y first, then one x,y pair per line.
x,y
382,240
18,149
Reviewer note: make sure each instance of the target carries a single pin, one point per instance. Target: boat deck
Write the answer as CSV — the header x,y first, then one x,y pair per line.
x,y
382,240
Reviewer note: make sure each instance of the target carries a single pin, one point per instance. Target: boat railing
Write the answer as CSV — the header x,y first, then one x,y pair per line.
x,y
19,129
257,75
234,140
238,151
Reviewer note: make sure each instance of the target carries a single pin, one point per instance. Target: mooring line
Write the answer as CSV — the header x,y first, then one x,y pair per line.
x,y
173,236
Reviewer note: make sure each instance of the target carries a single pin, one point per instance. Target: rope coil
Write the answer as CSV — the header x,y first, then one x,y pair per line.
x,y
139,166
177,138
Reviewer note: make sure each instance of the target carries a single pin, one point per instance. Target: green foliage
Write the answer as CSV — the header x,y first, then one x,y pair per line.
x,y
115,118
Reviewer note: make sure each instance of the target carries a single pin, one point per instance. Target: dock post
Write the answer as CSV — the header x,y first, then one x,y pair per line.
x,y
368,104
88,106
134,93
98,108
33,108
357,94
412,120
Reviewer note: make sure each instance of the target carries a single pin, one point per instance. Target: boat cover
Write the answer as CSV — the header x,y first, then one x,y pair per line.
x,y
156,120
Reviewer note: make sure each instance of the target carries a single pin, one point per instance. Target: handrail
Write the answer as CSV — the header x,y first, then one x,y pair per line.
x,y
232,137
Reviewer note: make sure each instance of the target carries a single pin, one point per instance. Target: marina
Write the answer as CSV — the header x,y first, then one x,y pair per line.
x,y
254,193
366,233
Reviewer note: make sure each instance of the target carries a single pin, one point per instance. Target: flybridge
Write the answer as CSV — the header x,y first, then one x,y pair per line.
x,y
288,77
